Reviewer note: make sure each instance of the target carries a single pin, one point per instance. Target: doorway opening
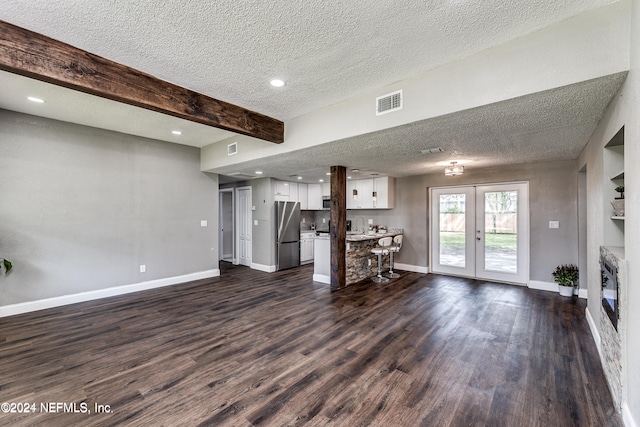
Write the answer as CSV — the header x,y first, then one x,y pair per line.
x,y
226,232
481,231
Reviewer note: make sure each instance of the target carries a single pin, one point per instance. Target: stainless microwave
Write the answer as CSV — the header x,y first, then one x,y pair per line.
x,y
326,202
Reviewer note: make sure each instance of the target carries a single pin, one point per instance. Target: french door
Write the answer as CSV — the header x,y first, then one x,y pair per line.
x,y
481,231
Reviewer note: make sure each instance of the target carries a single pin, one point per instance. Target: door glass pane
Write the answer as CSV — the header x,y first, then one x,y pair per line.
x,y
452,230
500,231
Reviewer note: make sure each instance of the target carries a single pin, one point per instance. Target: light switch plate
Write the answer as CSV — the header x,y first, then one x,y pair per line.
x,y
203,223
370,221
255,222
554,224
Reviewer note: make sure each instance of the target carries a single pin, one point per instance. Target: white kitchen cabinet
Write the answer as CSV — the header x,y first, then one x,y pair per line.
x,y
303,196
282,189
326,189
314,197
293,192
364,200
385,188
306,247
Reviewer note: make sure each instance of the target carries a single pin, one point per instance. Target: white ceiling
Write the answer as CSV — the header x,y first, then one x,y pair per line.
x,y
326,52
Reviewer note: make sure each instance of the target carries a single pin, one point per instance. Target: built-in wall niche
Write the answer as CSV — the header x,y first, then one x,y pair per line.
x,y
614,178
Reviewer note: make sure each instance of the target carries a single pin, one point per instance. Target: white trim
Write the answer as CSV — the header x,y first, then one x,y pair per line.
x,y
27,307
409,267
543,286
594,331
322,278
627,418
553,287
262,267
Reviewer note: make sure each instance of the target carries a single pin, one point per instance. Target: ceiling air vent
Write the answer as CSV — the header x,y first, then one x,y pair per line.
x,y
388,103
232,149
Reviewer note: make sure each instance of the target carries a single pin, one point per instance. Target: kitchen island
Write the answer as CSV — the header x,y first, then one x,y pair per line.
x,y
360,262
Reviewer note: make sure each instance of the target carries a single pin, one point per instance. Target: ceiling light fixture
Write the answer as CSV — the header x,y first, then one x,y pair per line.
x,y
176,132
34,99
321,180
299,177
258,172
277,83
454,170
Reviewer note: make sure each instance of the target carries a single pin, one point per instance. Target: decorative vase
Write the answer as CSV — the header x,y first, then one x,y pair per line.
x,y
566,291
618,206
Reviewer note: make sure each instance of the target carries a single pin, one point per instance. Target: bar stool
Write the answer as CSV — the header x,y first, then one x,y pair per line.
x,y
397,244
382,249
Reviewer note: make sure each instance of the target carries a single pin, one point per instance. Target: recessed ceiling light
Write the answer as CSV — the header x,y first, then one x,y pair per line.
x,y
299,177
348,177
328,173
34,99
176,132
258,172
277,83
321,180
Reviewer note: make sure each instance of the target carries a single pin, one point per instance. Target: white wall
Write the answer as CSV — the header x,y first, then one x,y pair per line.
x,y
624,110
82,208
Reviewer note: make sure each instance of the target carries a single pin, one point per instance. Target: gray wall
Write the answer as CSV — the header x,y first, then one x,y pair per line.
x,y
263,244
82,208
552,196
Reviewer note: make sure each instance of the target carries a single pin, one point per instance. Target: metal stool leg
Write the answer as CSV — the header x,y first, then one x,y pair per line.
x,y
391,274
380,278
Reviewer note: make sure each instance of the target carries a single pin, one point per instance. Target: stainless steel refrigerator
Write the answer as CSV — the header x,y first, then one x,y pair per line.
x,y
288,234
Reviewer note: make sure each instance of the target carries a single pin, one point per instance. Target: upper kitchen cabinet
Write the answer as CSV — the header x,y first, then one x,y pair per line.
x,y
326,189
384,188
303,196
314,192
285,191
373,193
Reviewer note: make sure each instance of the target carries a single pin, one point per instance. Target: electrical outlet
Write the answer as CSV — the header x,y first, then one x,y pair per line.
x,y
303,221
143,268
203,223
324,220
554,224
370,221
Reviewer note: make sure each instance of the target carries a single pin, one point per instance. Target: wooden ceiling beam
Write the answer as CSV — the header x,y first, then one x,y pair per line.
x,y
34,55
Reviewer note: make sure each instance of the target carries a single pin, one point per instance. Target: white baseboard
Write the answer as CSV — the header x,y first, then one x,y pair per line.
x,y
594,330
553,287
627,418
543,286
409,267
262,267
322,278
27,307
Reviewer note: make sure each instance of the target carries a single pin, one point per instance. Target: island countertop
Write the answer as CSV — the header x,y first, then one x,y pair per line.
x,y
363,237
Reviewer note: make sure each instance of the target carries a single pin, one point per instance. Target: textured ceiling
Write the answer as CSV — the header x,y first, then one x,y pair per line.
x,y
326,52
545,126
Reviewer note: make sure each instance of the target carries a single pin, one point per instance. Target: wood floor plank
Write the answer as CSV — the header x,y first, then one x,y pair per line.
x,y
256,349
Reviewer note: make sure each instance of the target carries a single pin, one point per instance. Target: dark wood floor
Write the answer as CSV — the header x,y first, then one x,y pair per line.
x,y
252,348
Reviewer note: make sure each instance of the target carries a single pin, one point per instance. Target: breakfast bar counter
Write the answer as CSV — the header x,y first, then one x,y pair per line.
x,y
360,263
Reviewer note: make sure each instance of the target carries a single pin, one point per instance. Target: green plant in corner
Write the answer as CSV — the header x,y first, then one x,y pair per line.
x,y
6,264
620,189
566,275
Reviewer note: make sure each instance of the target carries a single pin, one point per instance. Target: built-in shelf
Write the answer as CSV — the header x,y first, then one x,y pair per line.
x,y
618,176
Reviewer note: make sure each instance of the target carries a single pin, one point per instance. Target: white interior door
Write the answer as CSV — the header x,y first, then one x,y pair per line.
x,y
244,225
481,231
226,226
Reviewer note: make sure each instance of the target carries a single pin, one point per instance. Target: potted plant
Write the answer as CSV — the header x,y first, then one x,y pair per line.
x,y
618,202
566,276
5,266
